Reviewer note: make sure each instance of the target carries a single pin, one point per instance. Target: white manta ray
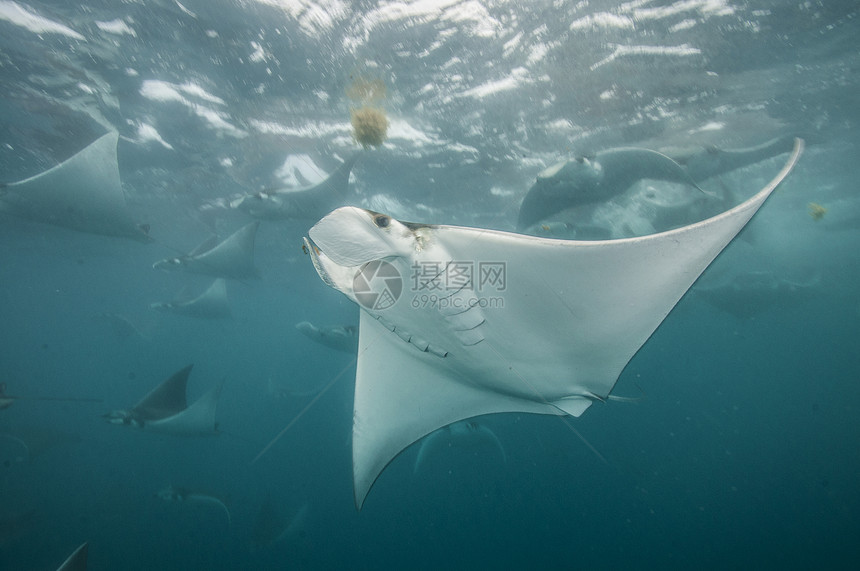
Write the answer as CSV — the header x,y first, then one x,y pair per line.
x,y
83,193
460,322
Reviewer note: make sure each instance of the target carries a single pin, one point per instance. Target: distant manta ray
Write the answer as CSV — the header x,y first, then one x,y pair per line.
x,y
339,337
296,204
749,293
83,193
565,319
572,183
233,257
188,496
211,304
165,409
271,526
704,162
583,180
465,431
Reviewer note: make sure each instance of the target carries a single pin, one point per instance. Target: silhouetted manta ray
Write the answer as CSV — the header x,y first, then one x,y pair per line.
x,y
231,258
271,526
188,496
307,203
747,293
211,304
565,318
165,409
702,163
580,181
83,193
339,337
464,431
77,561
584,180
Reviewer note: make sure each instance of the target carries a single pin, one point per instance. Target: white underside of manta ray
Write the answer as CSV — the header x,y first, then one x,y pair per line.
x,y
165,409
558,323
83,193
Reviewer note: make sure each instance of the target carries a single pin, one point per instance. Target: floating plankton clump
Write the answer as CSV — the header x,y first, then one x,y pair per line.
x,y
369,126
816,210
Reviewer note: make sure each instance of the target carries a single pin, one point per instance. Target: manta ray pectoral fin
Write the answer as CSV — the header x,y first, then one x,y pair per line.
x,y
207,499
204,246
167,399
390,374
231,258
83,193
234,257
197,419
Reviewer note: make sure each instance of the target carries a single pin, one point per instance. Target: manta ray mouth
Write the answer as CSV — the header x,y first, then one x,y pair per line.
x,y
312,250
322,264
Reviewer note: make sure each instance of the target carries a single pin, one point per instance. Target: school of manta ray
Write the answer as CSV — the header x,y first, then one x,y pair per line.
x,y
429,284
574,311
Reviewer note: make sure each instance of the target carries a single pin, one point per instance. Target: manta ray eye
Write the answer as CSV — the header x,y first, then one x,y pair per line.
x,y
381,220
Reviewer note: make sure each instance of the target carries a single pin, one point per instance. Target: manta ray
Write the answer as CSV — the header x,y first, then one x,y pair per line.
x,y
588,180
271,526
704,162
749,293
83,193
188,496
165,409
233,257
465,432
308,203
583,180
339,337
123,328
77,561
458,322
211,304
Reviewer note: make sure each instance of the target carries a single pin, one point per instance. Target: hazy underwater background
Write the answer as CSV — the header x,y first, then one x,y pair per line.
x,y
742,450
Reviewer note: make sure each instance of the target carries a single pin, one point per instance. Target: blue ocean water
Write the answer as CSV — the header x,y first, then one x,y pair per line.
x,y
741,449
